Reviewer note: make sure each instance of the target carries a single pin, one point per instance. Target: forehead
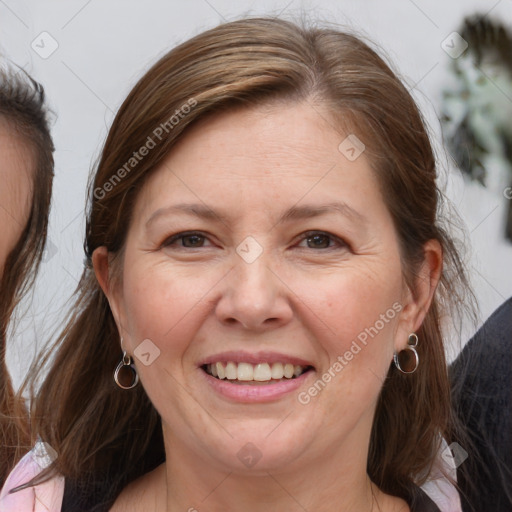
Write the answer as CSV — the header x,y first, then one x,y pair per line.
x,y
261,158
261,137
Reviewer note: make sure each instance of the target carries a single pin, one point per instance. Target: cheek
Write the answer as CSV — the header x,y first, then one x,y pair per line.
x,y
359,305
360,311
163,307
14,215
8,237
160,304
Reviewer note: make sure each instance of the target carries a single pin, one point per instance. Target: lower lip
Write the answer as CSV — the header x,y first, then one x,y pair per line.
x,y
254,393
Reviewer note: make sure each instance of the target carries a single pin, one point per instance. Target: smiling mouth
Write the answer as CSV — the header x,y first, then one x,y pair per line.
x,y
261,373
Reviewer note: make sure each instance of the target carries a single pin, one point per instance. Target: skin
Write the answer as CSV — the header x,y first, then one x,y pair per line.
x,y
295,298
15,191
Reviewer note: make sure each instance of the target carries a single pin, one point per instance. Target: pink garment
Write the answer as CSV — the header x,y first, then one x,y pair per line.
x,y
45,497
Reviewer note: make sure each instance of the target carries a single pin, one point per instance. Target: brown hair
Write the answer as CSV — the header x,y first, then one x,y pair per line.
x,y
22,109
95,427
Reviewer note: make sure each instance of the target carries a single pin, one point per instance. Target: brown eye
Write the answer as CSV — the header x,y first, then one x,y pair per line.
x,y
322,240
188,240
194,240
319,241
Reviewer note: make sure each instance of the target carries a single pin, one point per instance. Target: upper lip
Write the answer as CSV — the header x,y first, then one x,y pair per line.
x,y
241,356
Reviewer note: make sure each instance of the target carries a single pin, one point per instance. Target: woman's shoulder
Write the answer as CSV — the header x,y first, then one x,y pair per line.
x,y
44,497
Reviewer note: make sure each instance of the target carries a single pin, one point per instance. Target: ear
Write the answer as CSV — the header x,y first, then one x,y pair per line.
x,y
419,299
101,262
100,265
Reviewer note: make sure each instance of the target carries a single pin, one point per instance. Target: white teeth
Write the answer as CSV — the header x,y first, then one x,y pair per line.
x,y
288,370
261,372
245,371
231,371
277,371
220,371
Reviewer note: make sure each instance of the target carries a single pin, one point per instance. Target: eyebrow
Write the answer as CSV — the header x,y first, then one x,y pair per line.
x,y
294,213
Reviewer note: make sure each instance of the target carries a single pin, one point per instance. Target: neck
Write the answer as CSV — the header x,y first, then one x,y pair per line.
x,y
328,482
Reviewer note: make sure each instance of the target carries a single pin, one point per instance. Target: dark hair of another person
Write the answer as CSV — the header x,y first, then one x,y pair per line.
x,y
98,429
23,112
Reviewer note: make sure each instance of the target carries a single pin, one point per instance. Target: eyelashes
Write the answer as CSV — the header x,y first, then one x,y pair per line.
x,y
320,241
183,236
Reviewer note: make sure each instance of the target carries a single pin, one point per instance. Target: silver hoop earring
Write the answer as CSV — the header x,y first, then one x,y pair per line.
x,y
125,374
407,360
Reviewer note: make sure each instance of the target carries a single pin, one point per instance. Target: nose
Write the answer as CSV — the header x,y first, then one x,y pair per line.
x,y
254,297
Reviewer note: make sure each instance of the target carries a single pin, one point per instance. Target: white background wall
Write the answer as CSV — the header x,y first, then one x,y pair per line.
x,y
104,47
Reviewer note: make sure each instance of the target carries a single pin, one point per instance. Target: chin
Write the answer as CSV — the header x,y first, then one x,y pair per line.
x,y
259,447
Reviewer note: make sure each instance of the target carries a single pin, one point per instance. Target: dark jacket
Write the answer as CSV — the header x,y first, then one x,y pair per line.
x,y
481,379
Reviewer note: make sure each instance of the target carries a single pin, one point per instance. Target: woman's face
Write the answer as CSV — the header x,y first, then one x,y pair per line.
x,y
260,242
15,191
